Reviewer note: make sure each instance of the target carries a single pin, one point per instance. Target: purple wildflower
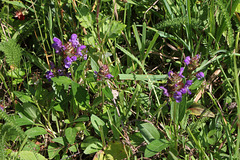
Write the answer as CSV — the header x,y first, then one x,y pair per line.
x,y
74,58
109,76
178,96
85,56
187,60
74,40
49,75
52,65
165,91
200,75
188,83
57,45
170,73
181,72
67,62
60,72
79,51
82,47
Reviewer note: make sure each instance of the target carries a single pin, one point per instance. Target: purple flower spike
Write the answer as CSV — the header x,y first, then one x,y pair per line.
x,y
109,76
181,72
200,75
49,75
85,56
178,96
187,60
57,45
79,51
74,40
165,91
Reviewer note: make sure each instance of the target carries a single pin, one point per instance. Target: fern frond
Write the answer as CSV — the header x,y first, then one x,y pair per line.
x,y
225,13
12,52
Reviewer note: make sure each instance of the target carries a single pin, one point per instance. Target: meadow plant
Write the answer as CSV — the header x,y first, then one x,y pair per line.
x,y
103,73
70,52
175,86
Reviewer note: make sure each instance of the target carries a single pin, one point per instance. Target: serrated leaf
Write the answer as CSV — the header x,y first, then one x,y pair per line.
x,y
149,132
116,28
156,146
35,131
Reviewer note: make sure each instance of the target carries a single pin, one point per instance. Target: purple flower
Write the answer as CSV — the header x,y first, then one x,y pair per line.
x,y
178,96
85,56
60,72
57,45
74,40
52,65
200,75
79,51
68,74
165,91
49,75
67,62
188,83
74,58
82,47
187,60
181,72
109,76
170,73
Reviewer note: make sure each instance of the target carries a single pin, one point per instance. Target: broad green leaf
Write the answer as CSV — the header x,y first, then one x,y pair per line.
x,y
156,146
70,134
31,110
198,110
80,94
87,141
92,148
97,122
149,132
23,121
16,73
53,150
82,118
35,131
115,151
59,140
116,28
27,155
62,80
23,97
85,17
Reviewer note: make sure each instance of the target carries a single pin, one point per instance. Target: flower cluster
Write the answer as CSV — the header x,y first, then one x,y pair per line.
x,y
176,87
70,51
103,73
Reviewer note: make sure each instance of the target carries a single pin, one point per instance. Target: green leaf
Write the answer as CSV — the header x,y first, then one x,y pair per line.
x,y
92,148
23,121
142,77
23,97
97,122
62,80
116,28
156,146
149,132
80,94
115,150
27,155
107,92
59,140
31,110
16,73
35,131
82,118
53,150
87,141
85,17
70,134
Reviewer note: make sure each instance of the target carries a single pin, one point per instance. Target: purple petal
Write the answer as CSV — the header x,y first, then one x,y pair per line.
x,y
181,72
200,75
165,91
74,58
49,75
85,56
74,36
178,96
79,51
82,47
187,60
109,76
188,83
170,73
